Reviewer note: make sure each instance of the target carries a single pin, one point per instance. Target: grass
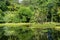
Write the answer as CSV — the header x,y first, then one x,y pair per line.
x,y
33,25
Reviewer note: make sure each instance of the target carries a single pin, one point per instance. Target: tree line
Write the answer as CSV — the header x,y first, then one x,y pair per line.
x,y
29,11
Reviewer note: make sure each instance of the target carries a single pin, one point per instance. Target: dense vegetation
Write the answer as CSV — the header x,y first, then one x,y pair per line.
x,y
29,11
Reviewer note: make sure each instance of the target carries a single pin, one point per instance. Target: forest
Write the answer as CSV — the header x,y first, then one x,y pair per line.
x,y
29,19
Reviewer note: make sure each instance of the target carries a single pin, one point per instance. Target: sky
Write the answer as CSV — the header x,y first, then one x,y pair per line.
x,y
20,1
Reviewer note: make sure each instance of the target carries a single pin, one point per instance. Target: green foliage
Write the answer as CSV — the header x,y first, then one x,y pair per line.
x,y
28,33
0,14
25,14
47,8
3,6
11,17
29,11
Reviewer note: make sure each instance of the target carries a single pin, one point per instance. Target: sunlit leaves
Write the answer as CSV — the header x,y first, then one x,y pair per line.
x,y
11,17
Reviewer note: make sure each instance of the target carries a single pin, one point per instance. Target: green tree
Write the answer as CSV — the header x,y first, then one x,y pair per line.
x,y
1,16
11,17
25,14
3,5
